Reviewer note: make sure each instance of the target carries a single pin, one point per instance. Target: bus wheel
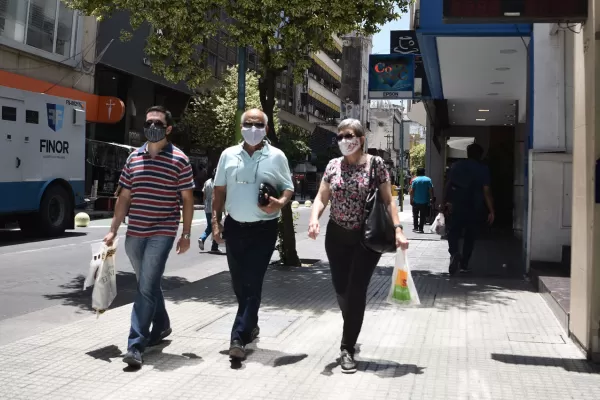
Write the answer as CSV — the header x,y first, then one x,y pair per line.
x,y
55,210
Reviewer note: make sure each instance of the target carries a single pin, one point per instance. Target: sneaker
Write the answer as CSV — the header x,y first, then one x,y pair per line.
x,y
163,335
254,334
416,230
464,266
237,350
133,358
215,249
454,264
347,362
201,244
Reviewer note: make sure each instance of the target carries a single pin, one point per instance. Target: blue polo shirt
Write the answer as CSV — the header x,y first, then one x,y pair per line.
x,y
420,187
242,175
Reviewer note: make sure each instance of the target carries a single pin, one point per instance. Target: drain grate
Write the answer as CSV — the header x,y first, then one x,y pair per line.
x,y
535,338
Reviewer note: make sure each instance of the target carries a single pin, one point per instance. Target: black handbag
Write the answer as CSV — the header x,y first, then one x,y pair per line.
x,y
378,232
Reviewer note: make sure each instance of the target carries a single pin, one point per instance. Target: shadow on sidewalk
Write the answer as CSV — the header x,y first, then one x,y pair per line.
x,y
443,292
153,356
266,357
381,368
73,294
568,364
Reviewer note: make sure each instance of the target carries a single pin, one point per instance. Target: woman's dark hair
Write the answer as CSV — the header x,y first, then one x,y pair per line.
x,y
420,171
161,109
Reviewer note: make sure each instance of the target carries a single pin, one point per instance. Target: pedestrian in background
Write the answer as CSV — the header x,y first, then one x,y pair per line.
x,y
207,192
347,183
249,228
153,178
421,195
466,192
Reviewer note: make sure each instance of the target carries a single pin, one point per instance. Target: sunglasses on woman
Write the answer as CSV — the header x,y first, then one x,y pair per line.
x,y
343,136
156,122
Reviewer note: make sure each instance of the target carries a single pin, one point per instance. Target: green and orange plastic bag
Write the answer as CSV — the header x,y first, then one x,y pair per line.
x,y
403,290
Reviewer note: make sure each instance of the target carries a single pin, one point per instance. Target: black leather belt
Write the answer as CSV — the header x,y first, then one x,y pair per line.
x,y
251,224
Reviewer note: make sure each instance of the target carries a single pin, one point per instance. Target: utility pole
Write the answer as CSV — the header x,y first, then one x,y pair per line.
x,y
401,194
241,103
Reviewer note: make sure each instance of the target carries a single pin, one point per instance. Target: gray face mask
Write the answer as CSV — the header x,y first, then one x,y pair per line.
x,y
155,134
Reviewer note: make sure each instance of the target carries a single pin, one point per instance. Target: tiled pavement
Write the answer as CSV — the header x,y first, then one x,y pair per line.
x,y
473,338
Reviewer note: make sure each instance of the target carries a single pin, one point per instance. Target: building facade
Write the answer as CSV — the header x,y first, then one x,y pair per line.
x,y
529,99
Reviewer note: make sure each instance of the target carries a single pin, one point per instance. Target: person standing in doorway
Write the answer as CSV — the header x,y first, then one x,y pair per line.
x,y
153,179
466,192
421,194
249,228
207,191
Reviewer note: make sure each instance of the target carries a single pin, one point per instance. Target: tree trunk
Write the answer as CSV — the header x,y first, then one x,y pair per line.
x,y
288,252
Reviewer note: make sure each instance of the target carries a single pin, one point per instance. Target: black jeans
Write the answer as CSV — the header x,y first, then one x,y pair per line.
x,y
421,210
351,269
249,251
464,221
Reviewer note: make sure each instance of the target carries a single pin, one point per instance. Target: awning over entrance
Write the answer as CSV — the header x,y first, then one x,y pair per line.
x,y
480,69
102,109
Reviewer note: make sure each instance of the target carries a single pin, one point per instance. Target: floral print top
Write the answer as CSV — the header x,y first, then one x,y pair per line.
x,y
349,186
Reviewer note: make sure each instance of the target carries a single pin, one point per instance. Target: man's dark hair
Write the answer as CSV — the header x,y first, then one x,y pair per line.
x,y
161,109
474,152
420,171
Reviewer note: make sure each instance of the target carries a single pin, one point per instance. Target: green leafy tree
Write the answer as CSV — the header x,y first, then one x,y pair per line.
x,y
293,141
417,158
283,34
210,117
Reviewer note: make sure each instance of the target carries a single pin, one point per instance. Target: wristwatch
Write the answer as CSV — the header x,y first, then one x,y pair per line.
x,y
396,226
186,236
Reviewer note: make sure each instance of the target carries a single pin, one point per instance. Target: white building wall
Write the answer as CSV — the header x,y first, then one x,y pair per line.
x,y
551,158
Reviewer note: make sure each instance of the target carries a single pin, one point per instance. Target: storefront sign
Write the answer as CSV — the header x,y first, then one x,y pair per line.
x,y
404,42
391,76
511,11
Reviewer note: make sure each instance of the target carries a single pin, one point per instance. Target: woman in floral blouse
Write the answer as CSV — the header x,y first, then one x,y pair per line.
x,y
346,183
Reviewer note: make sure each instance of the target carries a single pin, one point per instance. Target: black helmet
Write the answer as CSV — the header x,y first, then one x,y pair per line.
x,y
266,189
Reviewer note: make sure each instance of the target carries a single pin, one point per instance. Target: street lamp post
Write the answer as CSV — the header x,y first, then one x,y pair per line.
x,y
241,103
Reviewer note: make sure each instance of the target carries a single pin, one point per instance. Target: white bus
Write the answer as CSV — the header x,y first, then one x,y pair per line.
x,y
42,161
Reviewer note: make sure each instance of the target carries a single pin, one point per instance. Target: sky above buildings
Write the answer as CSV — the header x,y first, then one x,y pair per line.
x,y
381,40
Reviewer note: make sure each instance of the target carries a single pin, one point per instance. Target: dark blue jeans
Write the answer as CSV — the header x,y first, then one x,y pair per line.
x,y
148,257
249,251
464,222
208,229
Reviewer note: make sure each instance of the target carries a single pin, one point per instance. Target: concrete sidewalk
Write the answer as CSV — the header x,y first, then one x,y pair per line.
x,y
471,339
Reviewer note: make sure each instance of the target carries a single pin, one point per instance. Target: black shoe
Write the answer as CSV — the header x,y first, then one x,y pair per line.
x,y
454,264
163,335
237,350
347,362
201,244
464,266
254,334
133,358
215,250
416,230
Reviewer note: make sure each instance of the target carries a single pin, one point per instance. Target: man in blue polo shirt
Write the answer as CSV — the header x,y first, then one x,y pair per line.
x,y
421,193
250,229
153,180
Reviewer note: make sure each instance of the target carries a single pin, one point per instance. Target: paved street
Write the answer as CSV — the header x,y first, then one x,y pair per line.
x,y
41,282
472,338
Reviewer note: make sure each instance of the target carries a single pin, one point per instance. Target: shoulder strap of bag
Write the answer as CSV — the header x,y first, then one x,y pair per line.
x,y
373,176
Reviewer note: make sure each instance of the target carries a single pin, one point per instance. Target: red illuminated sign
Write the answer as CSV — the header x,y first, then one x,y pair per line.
x,y
511,11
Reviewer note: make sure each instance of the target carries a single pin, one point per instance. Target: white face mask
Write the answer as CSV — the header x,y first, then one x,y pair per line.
x,y
349,146
253,135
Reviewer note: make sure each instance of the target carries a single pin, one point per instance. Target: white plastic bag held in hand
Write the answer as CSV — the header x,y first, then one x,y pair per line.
x,y
102,275
403,290
439,225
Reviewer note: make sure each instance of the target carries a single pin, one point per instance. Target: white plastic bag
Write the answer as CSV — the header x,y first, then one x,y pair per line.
x,y
439,225
102,275
403,290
